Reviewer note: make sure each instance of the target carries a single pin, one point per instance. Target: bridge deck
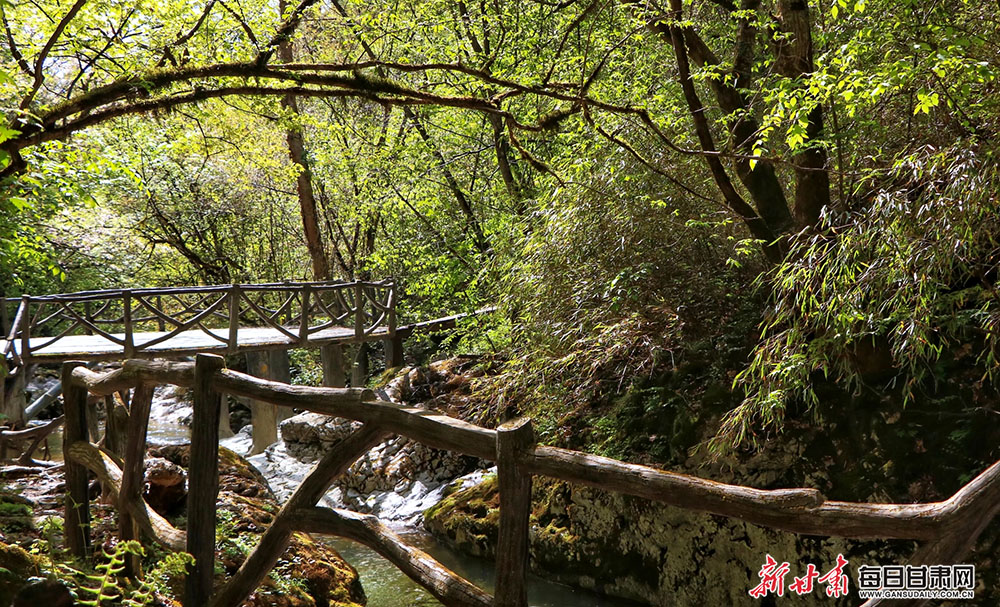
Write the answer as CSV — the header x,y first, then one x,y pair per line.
x,y
96,347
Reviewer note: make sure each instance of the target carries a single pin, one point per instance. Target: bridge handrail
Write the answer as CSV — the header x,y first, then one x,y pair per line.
x,y
103,293
948,528
369,305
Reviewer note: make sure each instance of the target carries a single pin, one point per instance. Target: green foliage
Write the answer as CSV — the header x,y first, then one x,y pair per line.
x,y
170,570
33,257
306,367
536,158
230,543
107,586
882,294
606,291
14,509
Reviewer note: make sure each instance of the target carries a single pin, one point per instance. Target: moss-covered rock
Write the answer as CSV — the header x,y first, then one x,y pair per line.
x,y
16,567
16,514
639,550
468,518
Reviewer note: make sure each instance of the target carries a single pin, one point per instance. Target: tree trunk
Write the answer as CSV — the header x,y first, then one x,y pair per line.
x,y
757,226
303,183
762,181
794,59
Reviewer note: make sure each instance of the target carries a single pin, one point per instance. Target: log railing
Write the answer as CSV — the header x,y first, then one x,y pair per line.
x,y
298,311
947,530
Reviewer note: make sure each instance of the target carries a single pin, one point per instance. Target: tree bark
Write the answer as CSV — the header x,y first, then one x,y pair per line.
x,y
794,59
303,183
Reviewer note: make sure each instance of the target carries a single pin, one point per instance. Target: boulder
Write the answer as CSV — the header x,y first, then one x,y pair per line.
x,y
165,486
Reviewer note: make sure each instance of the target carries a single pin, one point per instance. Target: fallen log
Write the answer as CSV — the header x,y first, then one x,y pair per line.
x,y
36,434
446,586
150,522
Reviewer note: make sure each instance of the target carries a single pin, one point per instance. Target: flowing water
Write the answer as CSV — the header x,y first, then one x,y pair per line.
x,y
386,586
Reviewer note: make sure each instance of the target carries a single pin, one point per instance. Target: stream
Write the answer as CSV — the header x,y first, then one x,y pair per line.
x,y
384,584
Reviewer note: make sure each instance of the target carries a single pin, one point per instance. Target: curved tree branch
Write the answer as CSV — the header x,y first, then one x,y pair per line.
x,y
757,226
284,33
40,60
15,52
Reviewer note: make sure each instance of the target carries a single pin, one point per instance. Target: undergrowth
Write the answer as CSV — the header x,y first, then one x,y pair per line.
x,y
882,297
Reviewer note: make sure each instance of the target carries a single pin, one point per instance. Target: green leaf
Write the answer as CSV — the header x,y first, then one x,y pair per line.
x,y
925,102
7,133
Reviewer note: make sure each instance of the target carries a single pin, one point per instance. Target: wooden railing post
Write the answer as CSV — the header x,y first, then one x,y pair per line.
x,y
203,481
234,318
86,314
359,371
132,474
393,344
115,426
390,303
288,309
359,311
127,319
160,324
514,438
77,524
304,318
25,313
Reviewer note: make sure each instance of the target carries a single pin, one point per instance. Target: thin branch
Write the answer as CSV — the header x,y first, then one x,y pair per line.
x,y
284,33
40,60
647,163
194,29
14,51
243,24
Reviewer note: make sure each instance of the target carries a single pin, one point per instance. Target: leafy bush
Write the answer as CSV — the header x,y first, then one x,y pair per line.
x,y
883,293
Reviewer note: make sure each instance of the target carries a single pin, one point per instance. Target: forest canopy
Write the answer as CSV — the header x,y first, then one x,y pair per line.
x,y
819,175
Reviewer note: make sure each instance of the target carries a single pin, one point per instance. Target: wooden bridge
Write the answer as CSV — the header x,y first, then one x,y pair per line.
x,y
147,323
172,322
